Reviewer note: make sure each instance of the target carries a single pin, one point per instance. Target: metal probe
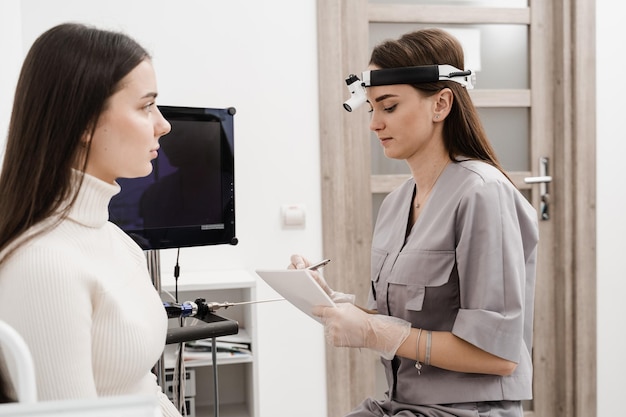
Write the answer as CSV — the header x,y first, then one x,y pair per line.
x,y
214,306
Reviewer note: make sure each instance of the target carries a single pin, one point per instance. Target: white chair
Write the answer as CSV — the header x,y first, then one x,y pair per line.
x,y
121,406
15,347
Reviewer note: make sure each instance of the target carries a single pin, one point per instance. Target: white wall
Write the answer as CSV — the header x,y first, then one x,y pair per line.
x,y
611,205
261,58
11,53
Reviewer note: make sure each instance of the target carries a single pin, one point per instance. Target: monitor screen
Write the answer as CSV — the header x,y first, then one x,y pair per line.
x,y
189,198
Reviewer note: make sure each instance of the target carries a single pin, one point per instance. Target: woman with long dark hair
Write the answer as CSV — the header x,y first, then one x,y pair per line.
x,y
74,286
453,253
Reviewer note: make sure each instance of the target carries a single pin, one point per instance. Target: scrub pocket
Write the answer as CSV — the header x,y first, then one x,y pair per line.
x,y
378,257
378,260
418,270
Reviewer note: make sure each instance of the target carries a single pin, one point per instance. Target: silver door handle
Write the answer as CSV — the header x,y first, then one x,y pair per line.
x,y
538,180
543,180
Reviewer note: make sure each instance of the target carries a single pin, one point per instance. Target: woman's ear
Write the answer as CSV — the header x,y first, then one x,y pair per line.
x,y
85,139
443,104
82,150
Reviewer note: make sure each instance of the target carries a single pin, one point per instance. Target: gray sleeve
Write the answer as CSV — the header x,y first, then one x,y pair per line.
x,y
492,270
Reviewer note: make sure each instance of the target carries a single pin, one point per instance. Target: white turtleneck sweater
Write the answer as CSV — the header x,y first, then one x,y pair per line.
x,y
81,297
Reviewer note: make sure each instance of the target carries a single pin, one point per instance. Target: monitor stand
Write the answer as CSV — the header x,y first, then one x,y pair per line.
x,y
214,327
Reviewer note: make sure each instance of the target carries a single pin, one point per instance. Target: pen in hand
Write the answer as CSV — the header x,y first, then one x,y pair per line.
x,y
318,265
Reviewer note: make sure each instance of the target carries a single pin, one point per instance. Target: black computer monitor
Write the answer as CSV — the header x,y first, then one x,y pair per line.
x,y
189,198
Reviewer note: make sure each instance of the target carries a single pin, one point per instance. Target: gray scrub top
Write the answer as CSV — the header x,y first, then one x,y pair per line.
x,y
468,267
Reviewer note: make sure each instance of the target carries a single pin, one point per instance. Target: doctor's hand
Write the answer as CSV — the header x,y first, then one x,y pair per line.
x,y
300,262
346,325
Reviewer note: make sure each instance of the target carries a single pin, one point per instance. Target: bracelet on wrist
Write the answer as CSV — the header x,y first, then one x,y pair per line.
x,y
429,341
418,365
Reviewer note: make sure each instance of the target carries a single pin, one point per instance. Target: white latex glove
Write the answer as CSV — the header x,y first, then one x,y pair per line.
x,y
346,325
300,262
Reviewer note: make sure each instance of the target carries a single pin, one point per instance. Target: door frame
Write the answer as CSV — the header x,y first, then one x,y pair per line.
x,y
562,106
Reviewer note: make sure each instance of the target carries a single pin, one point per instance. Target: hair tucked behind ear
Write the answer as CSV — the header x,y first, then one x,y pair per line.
x,y
66,79
463,133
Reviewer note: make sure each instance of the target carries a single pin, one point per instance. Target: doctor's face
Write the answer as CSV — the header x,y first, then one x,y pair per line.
x,y
126,138
403,119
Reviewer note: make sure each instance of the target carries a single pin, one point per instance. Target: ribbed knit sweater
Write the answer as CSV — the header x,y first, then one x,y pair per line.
x,y
81,297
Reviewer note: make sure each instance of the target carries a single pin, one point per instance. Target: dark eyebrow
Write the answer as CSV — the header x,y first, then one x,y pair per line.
x,y
150,94
384,96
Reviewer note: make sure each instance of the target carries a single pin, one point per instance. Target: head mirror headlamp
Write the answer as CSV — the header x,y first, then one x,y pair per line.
x,y
403,75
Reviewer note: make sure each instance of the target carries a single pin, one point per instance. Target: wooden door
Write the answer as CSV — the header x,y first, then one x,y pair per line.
x,y
554,110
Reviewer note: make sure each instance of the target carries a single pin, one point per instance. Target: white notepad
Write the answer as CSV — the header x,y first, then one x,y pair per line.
x,y
298,287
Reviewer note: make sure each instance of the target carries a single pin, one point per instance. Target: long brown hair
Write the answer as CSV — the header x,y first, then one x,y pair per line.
x,y
463,133
67,77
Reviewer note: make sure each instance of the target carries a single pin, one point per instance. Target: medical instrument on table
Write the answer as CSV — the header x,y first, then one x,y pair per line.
x,y
200,308
213,306
403,75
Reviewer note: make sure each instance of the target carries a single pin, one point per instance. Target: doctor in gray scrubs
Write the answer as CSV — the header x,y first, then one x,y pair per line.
x,y
454,248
